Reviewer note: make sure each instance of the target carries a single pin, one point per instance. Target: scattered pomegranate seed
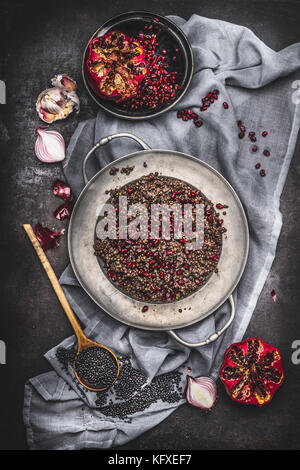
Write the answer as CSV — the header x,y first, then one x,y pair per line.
x,y
225,105
257,166
251,134
264,134
262,173
219,206
254,148
145,308
266,153
241,135
274,295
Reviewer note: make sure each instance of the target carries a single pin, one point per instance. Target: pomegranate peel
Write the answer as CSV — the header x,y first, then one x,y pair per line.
x,y
252,371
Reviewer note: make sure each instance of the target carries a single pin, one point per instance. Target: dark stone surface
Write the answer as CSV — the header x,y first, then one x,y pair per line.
x,y
38,40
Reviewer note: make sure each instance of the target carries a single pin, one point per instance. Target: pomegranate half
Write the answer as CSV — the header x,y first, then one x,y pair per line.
x,y
252,371
116,64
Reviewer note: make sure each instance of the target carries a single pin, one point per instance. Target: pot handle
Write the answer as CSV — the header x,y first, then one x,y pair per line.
x,y
105,141
213,337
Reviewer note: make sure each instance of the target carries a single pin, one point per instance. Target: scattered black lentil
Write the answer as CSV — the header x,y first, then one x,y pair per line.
x,y
127,170
135,395
113,171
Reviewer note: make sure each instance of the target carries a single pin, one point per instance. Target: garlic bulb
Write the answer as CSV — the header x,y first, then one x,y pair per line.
x,y
58,102
201,392
49,146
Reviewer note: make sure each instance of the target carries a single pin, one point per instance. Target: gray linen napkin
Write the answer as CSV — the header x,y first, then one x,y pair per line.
x,y
257,84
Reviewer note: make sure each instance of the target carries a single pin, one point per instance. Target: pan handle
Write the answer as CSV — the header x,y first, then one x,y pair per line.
x,y
105,141
212,337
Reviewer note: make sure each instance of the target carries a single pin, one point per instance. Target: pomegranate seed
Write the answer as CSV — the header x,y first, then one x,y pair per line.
x,y
145,308
219,206
257,166
262,173
251,134
239,123
225,105
264,134
243,128
241,135
253,139
254,148
198,123
266,153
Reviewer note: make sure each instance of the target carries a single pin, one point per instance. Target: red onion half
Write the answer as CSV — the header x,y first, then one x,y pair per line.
x,y
201,392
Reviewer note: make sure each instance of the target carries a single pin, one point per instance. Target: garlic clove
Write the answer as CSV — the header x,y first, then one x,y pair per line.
x,y
201,392
58,102
49,146
64,81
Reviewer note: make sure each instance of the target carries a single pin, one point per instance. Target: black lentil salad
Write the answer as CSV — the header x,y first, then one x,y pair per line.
x,y
161,270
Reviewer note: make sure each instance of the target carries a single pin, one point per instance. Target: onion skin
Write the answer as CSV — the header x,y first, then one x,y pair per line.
x,y
49,146
62,190
201,392
47,238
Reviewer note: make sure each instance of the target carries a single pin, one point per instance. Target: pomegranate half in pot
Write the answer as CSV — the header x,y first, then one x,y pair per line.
x,y
116,64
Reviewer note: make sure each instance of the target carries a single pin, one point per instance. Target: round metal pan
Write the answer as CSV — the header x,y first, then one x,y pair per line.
x,y
160,316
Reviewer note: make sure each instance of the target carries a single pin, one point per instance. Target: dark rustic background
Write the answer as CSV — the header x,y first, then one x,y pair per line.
x,y
37,40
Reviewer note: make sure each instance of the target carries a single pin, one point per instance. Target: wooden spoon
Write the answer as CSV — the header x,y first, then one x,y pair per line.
x,y
83,341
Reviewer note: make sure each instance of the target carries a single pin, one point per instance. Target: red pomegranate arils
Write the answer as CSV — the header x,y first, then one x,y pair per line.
x,y
274,295
262,173
64,211
46,237
254,148
219,206
251,134
241,135
62,190
225,105
264,134
257,166
252,371
266,153
145,308
253,139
